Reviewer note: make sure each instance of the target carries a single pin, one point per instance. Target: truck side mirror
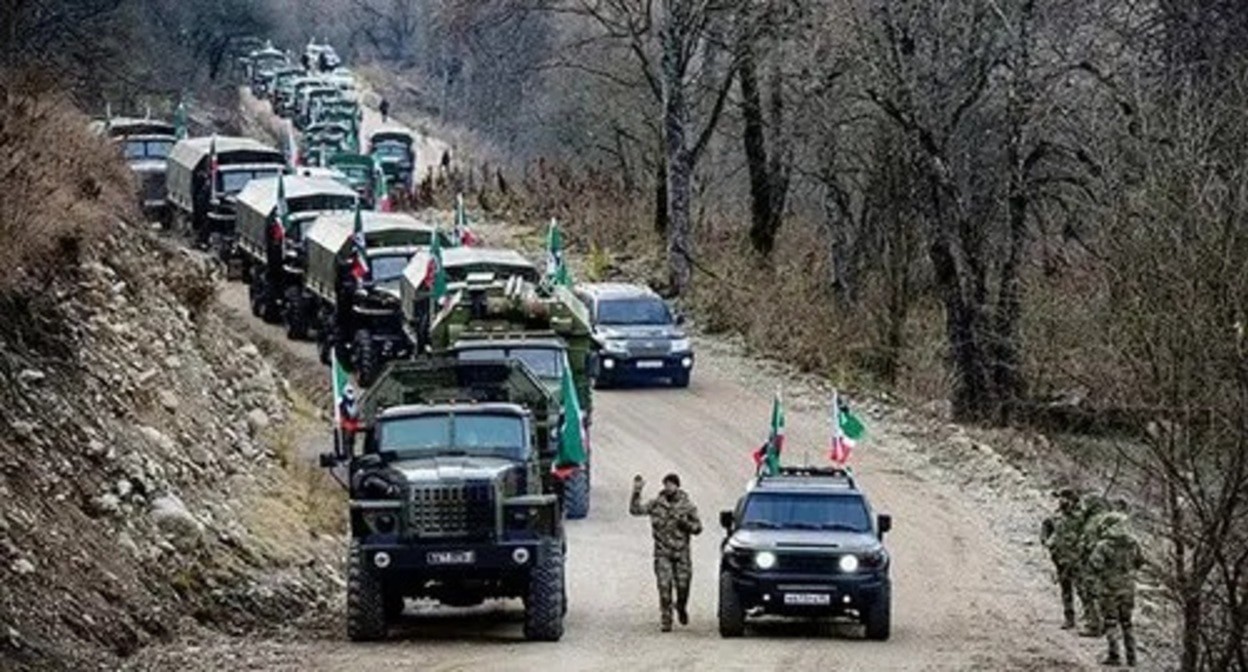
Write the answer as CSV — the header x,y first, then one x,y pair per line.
x,y
884,522
725,519
328,460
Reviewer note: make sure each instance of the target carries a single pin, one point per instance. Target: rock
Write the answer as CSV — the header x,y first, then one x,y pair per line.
x,y
106,504
96,448
173,518
32,376
158,437
24,429
257,421
249,350
173,362
146,376
168,400
124,488
125,541
15,638
22,567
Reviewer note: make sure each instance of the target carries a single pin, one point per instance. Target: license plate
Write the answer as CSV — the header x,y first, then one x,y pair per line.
x,y
650,364
812,599
452,557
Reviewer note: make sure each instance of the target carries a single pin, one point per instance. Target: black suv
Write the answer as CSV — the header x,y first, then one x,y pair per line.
x,y
636,335
804,543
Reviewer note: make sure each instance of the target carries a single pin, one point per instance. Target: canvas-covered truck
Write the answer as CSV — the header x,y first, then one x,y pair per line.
x,y
145,143
207,211
546,327
448,499
273,256
395,149
361,173
360,318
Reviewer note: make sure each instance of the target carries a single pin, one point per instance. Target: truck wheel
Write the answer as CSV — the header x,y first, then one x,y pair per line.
x,y
366,604
576,494
296,316
255,295
731,615
879,616
366,361
543,606
322,349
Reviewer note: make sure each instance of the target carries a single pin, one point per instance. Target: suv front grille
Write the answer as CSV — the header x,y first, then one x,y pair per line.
x,y
657,348
804,563
451,510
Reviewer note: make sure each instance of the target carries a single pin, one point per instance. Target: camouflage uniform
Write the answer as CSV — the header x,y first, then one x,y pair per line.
x,y
1115,561
1060,534
672,521
1092,508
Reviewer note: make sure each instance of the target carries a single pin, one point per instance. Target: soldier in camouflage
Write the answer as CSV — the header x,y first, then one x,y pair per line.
x,y
673,519
1060,534
1114,563
1092,507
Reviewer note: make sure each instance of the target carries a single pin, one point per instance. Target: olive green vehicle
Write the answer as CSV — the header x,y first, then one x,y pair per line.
x,y
361,172
360,319
451,495
273,257
546,327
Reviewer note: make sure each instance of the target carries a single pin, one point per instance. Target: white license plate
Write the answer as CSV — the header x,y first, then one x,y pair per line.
x,y
452,557
812,599
650,364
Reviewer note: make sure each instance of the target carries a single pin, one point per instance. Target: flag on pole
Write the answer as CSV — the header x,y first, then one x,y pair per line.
x,y
213,167
767,456
346,415
108,115
847,429
572,439
359,249
381,190
292,147
179,121
435,272
462,234
556,269
281,219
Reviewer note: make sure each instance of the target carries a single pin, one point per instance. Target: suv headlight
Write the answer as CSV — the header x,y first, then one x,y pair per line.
x,y
681,345
614,346
765,560
848,563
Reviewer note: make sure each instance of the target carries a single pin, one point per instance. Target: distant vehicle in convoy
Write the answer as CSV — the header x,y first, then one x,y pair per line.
x,y
547,328
263,62
361,174
451,495
145,144
310,98
205,207
321,57
360,319
395,149
805,544
273,256
637,335
268,81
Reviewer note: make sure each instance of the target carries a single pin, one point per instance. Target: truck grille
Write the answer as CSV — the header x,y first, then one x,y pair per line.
x,y
153,187
451,510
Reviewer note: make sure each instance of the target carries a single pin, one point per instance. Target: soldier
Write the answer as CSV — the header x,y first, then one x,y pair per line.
x,y
1060,534
385,110
1116,559
1092,508
673,518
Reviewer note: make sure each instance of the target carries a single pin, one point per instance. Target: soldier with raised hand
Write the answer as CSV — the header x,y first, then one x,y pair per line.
x,y
1092,507
1115,562
1060,534
673,520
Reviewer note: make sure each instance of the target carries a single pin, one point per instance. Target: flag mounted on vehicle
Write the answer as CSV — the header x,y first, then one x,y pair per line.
x,y
767,456
346,414
556,268
292,147
572,439
179,121
847,429
461,234
381,190
281,217
359,248
213,167
435,272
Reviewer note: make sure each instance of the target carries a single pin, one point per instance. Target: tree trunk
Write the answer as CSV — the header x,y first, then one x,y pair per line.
x,y
676,146
762,236
660,197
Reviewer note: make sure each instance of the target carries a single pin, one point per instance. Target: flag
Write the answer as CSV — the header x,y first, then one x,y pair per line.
x,y
461,234
571,454
292,147
281,218
847,429
179,121
346,415
381,191
359,249
108,115
213,167
435,273
556,269
767,456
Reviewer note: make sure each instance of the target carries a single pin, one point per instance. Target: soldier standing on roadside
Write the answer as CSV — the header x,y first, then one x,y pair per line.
x,y
1092,508
1116,560
385,110
1060,534
673,519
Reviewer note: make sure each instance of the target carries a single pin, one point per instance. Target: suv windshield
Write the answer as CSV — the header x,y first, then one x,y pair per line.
x,y
633,311
547,363
470,434
806,511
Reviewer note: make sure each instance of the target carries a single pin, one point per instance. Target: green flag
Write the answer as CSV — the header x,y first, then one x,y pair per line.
x,y
346,416
572,434
179,121
435,274
767,456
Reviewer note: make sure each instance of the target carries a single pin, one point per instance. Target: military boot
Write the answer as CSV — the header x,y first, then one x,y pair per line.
x,y
1128,643
1068,620
1112,657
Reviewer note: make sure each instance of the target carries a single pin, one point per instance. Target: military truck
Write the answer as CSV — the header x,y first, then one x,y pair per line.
x,y
361,320
449,498
361,173
308,99
546,327
145,143
459,263
207,212
274,259
395,149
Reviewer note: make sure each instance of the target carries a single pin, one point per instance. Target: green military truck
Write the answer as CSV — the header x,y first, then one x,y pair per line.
x,y
361,173
145,143
545,327
273,257
205,210
449,498
361,320
395,149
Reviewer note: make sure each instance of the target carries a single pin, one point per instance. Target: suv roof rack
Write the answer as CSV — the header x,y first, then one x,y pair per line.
x,y
843,474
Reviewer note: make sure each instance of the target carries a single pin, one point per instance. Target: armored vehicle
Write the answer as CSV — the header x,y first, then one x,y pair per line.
x,y
273,257
804,543
459,263
545,327
448,499
361,174
637,334
395,149
360,318
207,209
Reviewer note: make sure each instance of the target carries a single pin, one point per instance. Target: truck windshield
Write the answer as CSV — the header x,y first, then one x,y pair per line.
x,y
389,267
390,149
322,202
147,149
806,511
633,311
547,363
233,181
472,434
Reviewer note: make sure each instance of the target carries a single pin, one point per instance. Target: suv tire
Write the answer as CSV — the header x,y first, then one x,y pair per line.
x,y
366,605
731,613
879,615
576,494
681,379
543,606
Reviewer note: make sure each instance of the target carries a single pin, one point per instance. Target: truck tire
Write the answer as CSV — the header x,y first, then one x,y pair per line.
x,y
543,606
879,616
367,363
366,603
255,294
731,614
296,315
323,348
576,494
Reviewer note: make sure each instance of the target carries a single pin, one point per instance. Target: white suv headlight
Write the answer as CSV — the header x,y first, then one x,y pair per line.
x,y
848,563
618,347
765,560
681,345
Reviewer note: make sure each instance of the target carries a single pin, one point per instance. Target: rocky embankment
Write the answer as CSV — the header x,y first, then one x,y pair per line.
x,y
147,479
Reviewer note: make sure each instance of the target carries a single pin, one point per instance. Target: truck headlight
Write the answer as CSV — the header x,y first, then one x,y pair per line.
x,y
765,560
681,345
848,563
618,347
